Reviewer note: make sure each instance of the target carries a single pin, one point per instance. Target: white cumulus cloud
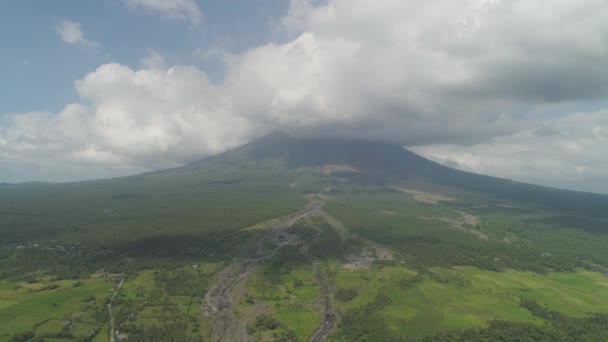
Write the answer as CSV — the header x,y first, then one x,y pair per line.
x,y
71,33
461,80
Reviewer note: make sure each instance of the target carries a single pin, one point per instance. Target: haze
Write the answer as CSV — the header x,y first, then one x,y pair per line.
x,y
515,89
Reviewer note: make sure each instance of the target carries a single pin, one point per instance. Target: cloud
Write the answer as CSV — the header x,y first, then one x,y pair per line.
x,y
72,34
180,10
142,119
568,151
474,75
153,60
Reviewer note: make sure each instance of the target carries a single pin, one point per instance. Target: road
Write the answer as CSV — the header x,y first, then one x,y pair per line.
x,y
112,329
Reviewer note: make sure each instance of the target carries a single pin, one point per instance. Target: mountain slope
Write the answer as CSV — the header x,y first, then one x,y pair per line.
x,y
382,162
260,179
303,238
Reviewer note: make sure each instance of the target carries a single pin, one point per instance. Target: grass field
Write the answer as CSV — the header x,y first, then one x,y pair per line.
x,y
150,298
168,233
292,299
158,298
26,305
466,297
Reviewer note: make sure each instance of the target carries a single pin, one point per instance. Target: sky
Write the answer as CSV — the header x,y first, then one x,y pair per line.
x,y
516,89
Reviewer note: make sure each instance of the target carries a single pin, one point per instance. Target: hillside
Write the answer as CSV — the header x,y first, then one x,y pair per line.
x,y
302,239
383,163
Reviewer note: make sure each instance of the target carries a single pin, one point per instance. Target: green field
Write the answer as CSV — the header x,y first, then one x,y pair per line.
x,y
164,300
292,299
401,257
27,306
467,297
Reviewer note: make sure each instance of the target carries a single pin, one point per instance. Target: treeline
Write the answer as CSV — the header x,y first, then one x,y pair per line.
x,y
499,331
446,247
367,324
63,260
279,331
327,243
284,261
559,328
528,241
66,332
182,282
172,331
170,323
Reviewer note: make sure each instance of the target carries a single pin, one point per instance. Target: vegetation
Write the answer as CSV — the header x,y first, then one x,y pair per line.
x,y
463,266
423,235
61,310
346,294
461,298
364,323
287,285
177,203
559,328
265,323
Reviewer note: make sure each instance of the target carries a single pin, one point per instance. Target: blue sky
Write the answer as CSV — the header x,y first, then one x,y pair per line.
x,y
516,89
39,69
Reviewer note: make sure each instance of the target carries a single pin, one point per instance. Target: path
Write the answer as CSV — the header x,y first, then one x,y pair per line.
x,y
112,329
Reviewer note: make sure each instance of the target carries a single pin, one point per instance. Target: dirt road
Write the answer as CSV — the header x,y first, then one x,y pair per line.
x,y
112,328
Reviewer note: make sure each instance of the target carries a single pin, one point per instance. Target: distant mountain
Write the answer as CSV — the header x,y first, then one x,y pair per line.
x,y
324,230
360,161
383,162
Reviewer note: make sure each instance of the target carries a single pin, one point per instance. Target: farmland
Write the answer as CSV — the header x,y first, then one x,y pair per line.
x,y
274,248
